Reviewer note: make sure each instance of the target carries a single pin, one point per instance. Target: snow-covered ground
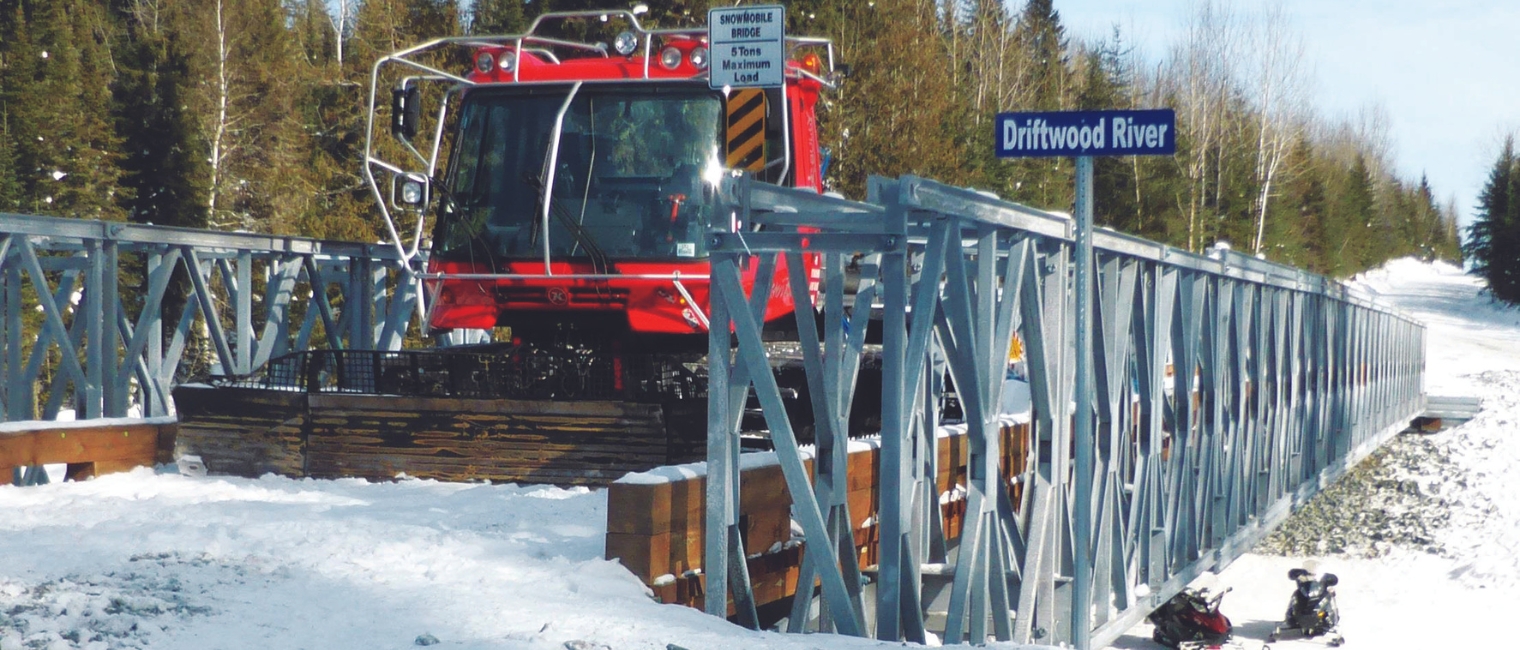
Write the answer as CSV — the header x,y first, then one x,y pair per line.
x,y
160,560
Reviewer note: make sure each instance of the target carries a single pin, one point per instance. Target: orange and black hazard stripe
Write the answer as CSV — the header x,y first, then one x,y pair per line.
x,y
746,129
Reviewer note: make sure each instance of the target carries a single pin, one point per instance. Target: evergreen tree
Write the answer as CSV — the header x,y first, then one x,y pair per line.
x,y
1293,216
165,159
313,29
1041,39
16,56
497,17
10,189
1493,239
1348,223
1103,88
331,199
67,163
902,117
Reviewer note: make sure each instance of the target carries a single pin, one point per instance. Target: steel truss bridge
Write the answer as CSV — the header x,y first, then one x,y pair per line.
x,y
105,317
1226,389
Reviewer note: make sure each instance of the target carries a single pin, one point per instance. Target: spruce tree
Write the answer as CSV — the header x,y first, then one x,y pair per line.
x,y
1493,239
902,106
165,159
10,189
1354,208
1043,182
66,163
497,17
1104,88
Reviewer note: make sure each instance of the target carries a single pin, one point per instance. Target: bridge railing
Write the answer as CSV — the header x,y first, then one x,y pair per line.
x,y
103,318
1227,389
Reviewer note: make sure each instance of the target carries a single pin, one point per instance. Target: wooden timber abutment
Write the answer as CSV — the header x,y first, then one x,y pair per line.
x,y
252,431
654,518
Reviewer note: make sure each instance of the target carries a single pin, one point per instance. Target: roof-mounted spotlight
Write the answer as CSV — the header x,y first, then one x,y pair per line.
x,y
670,57
625,43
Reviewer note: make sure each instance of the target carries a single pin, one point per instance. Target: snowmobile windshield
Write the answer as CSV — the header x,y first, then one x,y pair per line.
x,y
634,174
1311,589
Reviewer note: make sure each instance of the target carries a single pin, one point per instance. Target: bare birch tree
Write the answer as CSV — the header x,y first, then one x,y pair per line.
x,y
221,120
341,18
1280,102
1203,70
244,95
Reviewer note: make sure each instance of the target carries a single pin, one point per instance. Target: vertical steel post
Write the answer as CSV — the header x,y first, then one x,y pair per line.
x,y
243,312
114,393
721,476
10,275
1081,615
894,471
155,389
95,330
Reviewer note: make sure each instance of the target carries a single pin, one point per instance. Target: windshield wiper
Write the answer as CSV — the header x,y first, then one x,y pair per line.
x,y
583,237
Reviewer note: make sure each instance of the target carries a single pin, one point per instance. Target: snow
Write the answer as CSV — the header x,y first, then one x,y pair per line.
x,y
165,561
21,426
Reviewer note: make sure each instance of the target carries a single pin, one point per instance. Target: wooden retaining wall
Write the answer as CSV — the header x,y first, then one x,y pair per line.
x,y
654,522
89,448
250,432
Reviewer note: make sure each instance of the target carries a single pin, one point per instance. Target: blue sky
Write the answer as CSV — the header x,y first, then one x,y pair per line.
x,y
1447,72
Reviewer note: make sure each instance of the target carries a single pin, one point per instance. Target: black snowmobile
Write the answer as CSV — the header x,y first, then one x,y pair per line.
x,y
1311,610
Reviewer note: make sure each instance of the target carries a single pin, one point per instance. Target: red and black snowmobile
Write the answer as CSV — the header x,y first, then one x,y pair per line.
x,y
1191,620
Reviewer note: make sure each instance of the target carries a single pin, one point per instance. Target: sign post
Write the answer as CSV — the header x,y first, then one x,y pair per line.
x,y
1083,135
748,46
748,50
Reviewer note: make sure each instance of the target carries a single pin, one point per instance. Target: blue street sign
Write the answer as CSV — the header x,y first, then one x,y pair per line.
x,y
1086,133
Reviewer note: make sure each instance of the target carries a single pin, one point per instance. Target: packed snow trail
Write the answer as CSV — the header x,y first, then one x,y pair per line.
x,y
162,561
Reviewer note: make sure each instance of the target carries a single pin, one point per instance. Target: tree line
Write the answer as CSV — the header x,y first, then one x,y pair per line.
x,y
248,115
1493,239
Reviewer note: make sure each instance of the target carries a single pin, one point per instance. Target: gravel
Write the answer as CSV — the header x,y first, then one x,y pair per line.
x,y
1400,497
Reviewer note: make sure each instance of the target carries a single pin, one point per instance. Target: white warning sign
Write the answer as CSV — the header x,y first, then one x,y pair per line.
x,y
748,46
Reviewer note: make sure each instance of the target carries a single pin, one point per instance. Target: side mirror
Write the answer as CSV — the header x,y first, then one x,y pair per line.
x,y
1295,574
406,111
1330,580
409,191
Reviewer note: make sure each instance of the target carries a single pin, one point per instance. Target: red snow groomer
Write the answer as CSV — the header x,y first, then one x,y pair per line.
x,y
562,186
583,174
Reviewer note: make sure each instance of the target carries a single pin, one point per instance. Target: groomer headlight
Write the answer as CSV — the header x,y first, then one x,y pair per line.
x,y
484,62
508,61
699,58
411,192
625,43
670,57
